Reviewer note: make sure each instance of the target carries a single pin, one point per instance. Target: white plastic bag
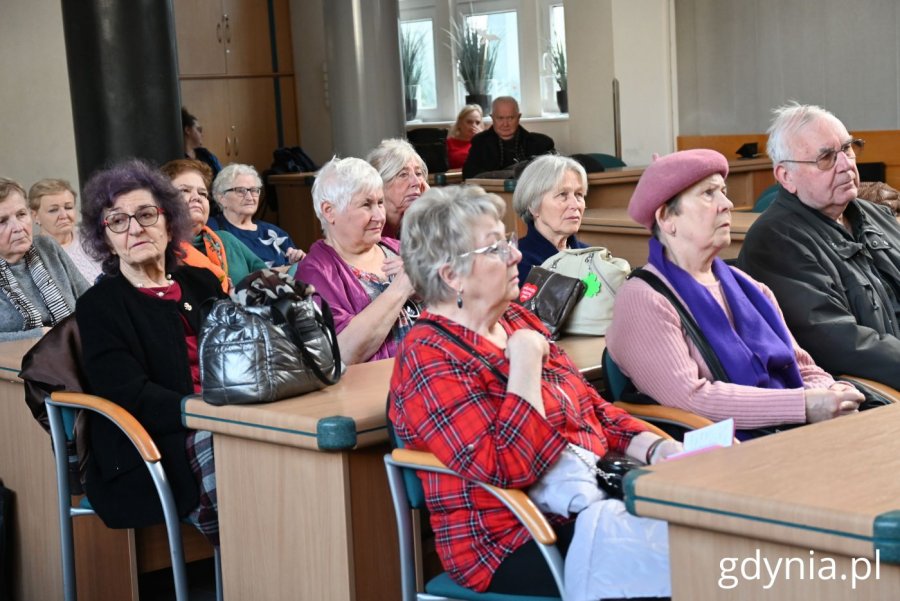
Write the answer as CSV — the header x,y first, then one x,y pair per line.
x,y
615,554
568,486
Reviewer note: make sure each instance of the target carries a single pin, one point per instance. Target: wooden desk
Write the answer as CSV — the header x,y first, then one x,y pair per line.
x,y
614,229
304,506
829,490
107,561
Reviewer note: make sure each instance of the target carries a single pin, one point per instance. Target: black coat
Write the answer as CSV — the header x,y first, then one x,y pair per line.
x,y
838,291
484,154
135,355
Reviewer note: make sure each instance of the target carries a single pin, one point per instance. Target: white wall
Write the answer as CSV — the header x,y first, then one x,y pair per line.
x,y
738,60
36,125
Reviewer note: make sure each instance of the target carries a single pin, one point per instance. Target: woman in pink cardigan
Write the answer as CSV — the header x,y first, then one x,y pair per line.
x,y
359,272
681,198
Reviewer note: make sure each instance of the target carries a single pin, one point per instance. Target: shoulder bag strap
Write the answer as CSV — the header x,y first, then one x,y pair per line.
x,y
687,320
442,330
325,321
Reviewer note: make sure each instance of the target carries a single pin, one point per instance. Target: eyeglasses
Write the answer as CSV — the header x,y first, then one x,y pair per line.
x,y
501,249
242,191
145,216
827,159
504,119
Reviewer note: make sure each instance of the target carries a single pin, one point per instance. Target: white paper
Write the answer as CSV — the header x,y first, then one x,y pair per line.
x,y
720,434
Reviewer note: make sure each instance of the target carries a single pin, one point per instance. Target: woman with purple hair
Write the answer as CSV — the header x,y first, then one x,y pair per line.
x,y
139,326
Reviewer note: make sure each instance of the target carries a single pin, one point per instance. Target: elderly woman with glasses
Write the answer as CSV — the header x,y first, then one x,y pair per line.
x,y
139,330
356,268
479,383
405,178
237,189
220,252
681,198
38,280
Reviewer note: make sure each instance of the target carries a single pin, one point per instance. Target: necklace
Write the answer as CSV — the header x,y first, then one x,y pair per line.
x,y
164,287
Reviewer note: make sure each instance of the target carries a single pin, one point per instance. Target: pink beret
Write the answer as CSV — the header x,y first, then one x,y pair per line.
x,y
667,176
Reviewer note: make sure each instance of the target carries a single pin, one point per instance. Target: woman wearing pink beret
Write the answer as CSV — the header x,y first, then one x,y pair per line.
x,y
681,198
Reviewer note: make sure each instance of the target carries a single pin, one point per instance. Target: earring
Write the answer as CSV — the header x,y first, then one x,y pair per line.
x,y
459,298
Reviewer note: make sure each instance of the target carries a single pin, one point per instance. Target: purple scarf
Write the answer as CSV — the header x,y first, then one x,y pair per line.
x,y
757,351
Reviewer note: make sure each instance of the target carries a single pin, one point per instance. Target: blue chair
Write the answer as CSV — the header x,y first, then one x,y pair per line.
x,y
622,392
607,160
408,495
765,198
62,409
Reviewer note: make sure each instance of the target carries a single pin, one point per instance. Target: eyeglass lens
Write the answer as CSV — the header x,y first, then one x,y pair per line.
x,y
241,191
145,216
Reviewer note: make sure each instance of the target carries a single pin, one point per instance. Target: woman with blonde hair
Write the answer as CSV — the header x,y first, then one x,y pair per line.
x,y
52,204
459,140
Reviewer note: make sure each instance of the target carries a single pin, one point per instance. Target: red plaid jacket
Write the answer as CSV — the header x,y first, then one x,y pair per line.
x,y
444,400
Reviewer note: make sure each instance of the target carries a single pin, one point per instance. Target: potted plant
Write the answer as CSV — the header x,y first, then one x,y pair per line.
x,y
558,59
411,51
476,57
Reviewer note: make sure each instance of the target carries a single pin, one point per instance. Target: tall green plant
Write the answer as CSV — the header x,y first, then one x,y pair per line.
x,y
476,56
412,47
558,58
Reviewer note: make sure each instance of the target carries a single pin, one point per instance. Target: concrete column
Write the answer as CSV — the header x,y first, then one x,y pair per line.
x,y
123,75
364,79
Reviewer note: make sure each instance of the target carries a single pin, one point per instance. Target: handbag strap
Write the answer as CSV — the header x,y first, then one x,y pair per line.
x,y
446,333
687,320
282,308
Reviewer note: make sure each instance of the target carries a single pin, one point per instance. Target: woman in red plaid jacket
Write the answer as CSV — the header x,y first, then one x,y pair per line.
x,y
477,382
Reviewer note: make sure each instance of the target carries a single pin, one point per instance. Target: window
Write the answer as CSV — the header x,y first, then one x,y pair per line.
x,y
525,29
504,27
423,30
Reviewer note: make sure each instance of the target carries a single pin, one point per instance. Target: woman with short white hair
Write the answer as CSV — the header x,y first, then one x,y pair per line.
x,y
237,189
405,178
355,268
549,198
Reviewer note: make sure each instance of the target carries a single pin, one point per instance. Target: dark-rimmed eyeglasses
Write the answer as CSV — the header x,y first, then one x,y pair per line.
x,y
146,216
501,248
828,158
242,191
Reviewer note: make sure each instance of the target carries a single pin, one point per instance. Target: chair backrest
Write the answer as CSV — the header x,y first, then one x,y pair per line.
x,y
431,144
415,494
765,198
607,160
53,364
613,379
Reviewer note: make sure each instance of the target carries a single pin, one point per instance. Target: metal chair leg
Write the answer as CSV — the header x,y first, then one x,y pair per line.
x,y
217,555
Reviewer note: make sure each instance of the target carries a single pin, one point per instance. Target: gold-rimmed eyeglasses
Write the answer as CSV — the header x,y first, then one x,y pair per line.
x,y
828,158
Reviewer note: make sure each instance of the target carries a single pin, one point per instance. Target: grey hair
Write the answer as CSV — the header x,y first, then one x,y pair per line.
x,y
790,119
503,99
437,229
339,180
226,178
542,175
391,156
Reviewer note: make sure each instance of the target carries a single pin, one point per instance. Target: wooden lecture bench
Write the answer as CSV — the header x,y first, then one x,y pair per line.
x,y
304,504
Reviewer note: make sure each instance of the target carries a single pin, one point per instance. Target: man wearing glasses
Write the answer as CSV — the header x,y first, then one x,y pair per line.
x,y
832,260
505,143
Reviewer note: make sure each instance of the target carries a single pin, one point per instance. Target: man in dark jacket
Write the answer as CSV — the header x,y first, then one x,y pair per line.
x,y
505,143
832,260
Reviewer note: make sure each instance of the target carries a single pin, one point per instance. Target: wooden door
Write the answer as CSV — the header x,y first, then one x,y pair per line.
x,y
200,34
248,48
208,100
252,109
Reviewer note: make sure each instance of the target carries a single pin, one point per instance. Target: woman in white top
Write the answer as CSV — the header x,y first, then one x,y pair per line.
x,y
52,204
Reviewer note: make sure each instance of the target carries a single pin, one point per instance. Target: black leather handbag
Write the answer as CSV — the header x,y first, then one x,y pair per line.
x,y
611,471
551,296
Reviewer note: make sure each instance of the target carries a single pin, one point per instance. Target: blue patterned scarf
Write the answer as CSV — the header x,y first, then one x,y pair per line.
x,y
757,351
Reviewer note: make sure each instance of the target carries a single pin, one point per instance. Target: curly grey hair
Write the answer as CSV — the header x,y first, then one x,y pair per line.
x,y
541,176
433,235
339,180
